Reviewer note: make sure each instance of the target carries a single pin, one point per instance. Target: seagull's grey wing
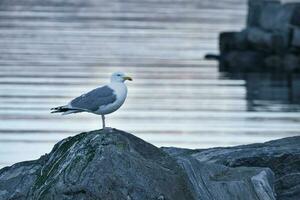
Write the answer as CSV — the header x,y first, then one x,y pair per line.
x,y
92,100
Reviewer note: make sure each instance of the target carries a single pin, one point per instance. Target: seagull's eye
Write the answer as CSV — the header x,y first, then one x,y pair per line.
x,y
118,74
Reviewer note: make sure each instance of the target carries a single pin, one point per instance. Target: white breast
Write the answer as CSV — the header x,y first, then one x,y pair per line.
x,y
121,92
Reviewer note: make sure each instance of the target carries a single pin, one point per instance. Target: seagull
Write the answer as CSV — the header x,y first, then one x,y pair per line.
x,y
100,101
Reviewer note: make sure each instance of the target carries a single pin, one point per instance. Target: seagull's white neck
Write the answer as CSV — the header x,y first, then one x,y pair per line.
x,y
120,89
116,81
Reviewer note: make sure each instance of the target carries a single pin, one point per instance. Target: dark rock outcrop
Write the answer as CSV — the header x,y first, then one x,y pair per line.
x,y
111,164
97,165
281,156
215,181
272,31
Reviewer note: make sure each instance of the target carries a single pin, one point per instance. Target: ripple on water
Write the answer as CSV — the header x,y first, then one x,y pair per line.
x,y
52,52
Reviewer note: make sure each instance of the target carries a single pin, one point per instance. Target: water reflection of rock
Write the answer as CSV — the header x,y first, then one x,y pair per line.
x,y
272,92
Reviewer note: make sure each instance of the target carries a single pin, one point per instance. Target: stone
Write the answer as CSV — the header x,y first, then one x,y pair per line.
x,y
270,42
295,37
112,165
230,41
267,19
255,9
243,61
214,181
284,16
295,18
291,63
274,63
212,57
295,87
261,40
98,165
281,156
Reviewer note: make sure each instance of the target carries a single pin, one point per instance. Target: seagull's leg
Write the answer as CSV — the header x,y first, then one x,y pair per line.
x,y
103,121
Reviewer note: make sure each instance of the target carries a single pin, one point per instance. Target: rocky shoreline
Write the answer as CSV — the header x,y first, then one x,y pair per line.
x,y
112,164
269,43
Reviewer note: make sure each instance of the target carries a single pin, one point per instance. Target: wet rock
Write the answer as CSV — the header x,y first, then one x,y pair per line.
x,y
272,31
255,9
273,63
214,181
212,57
291,62
277,17
112,165
295,18
97,165
295,85
268,13
16,181
261,40
233,41
295,41
281,156
243,61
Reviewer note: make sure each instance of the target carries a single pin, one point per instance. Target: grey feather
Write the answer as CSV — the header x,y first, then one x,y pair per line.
x,y
92,100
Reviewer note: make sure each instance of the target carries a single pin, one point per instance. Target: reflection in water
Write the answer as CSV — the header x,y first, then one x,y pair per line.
x,y
270,92
52,52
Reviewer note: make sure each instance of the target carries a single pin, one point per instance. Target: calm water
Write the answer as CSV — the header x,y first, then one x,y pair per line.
x,y
51,52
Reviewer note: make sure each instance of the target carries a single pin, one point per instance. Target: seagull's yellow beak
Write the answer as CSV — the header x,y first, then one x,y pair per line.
x,y
127,78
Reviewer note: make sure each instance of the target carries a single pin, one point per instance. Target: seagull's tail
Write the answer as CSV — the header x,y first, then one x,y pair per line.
x,y
64,110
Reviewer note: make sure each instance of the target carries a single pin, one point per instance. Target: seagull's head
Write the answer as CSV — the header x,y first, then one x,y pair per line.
x,y
119,77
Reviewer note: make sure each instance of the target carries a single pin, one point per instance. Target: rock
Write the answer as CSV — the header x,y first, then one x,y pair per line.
x,y
295,18
268,14
243,61
214,181
98,165
113,165
212,57
17,180
281,156
278,17
295,86
259,39
286,15
295,37
291,63
230,41
255,9
273,31
274,63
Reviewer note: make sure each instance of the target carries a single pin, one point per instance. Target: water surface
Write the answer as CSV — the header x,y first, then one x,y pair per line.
x,y
51,52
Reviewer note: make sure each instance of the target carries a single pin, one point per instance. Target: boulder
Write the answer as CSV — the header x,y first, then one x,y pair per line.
x,y
273,63
291,63
215,181
270,42
111,164
295,41
242,61
261,40
255,9
295,83
230,41
281,156
278,17
295,18
108,165
285,16
268,15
